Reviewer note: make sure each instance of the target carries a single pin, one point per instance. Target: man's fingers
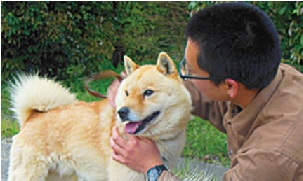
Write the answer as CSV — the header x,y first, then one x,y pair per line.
x,y
132,138
118,157
117,150
117,139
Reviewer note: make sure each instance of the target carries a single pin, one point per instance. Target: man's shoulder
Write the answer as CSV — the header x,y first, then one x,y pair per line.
x,y
286,101
279,134
279,124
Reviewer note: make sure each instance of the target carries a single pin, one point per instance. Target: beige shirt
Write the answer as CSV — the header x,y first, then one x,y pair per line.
x,y
265,140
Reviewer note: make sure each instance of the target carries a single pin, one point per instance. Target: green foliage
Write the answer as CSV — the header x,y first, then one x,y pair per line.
x,y
288,18
74,39
5,102
57,38
9,127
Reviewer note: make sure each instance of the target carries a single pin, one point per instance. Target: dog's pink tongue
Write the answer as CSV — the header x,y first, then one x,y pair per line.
x,y
131,127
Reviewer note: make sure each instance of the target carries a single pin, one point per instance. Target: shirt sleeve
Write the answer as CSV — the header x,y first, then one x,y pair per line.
x,y
213,111
261,165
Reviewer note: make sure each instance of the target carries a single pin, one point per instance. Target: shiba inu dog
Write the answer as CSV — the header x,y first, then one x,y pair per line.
x,y
62,138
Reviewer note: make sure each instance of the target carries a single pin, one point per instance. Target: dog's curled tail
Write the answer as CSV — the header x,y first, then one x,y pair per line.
x,y
31,93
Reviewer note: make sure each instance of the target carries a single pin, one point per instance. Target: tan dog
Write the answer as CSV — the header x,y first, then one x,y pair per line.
x,y
65,139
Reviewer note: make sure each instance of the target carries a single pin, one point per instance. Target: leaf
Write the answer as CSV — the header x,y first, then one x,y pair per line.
x,y
26,32
282,10
192,5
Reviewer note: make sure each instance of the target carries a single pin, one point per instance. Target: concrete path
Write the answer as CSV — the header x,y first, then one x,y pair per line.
x,y
193,167
5,150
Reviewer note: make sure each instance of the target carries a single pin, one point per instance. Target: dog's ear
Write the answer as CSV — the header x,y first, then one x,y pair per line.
x,y
165,64
129,65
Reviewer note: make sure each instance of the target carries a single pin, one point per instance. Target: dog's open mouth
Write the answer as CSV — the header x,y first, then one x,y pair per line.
x,y
136,127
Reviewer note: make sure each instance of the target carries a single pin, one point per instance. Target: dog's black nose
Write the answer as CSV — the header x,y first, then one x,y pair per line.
x,y
123,113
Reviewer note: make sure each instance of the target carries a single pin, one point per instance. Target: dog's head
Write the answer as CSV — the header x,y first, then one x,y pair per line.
x,y
152,100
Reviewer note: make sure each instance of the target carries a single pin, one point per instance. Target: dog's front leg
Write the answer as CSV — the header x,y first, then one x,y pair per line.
x,y
120,172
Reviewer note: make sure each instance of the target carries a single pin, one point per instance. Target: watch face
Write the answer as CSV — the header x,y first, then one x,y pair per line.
x,y
154,173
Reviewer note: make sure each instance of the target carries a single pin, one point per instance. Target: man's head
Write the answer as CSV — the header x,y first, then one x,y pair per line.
x,y
235,41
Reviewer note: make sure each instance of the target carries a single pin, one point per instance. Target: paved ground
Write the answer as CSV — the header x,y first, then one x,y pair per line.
x,y
193,166
5,149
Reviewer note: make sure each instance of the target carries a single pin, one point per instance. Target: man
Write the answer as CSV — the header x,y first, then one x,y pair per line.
x,y
233,71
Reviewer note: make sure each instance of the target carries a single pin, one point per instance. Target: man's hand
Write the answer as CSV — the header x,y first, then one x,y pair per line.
x,y
140,154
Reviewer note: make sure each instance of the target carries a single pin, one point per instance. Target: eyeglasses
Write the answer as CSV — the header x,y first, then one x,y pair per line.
x,y
185,73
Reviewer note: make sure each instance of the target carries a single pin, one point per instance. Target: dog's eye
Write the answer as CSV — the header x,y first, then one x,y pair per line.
x,y
126,93
148,92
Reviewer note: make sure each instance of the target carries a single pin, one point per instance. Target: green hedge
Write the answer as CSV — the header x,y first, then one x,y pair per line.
x,y
74,39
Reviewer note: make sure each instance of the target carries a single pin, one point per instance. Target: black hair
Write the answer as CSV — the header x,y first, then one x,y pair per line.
x,y
238,41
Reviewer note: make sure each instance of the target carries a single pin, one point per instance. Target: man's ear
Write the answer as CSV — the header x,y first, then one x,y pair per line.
x,y
231,87
129,65
165,64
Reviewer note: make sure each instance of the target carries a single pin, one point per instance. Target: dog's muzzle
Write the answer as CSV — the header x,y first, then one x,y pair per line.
x,y
134,127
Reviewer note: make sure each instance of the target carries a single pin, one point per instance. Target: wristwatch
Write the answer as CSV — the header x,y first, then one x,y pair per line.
x,y
154,172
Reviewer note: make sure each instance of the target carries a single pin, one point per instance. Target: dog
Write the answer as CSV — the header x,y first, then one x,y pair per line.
x,y
62,138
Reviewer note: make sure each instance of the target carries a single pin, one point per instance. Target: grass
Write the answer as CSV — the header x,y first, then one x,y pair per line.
x,y
9,128
205,143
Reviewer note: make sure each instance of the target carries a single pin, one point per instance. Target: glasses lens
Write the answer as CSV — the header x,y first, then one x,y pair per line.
x,y
183,67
